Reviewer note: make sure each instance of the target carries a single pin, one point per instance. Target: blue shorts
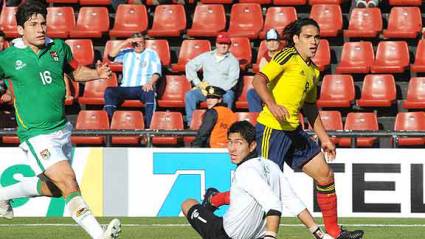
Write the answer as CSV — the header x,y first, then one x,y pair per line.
x,y
296,148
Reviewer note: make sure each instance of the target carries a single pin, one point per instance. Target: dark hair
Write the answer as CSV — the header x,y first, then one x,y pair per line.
x,y
294,28
137,35
2,34
28,9
245,129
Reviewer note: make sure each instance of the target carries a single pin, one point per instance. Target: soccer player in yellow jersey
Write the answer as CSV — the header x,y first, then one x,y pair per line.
x,y
287,84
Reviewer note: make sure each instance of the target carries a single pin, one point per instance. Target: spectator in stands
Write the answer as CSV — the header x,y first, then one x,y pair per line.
x,y
220,68
273,46
367,3
216,121
141,71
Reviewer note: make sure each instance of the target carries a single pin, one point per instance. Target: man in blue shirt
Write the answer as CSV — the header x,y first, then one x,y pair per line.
x,y
141,71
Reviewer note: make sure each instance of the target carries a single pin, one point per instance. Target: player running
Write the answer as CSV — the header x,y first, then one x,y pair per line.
x,y
35,65
287,84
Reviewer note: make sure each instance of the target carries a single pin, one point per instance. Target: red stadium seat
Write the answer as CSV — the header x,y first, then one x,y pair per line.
x,y
261,51
162,49
74,88
410,121
365,23
208,20
246,20
311,2
95,2
419,65
189,50
116,67
360,121
169,21
10,139
248,116
82,50
94,90
289,2
129,120
323,55
332,121
415,98
278,18
62,1
92,22
91,120
378,91
391,57
217,1
329,18
404,22
241,49
166,120
242,102
8,22
195,124
60,21
256,1
129,19
356,57
176,87
336,91
405,2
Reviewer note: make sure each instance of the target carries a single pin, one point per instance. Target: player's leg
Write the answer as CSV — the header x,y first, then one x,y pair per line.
x,y
272,144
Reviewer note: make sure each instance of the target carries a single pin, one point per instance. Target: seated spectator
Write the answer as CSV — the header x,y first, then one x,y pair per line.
x,y
141,71
220,68
367,3
216,121
273,45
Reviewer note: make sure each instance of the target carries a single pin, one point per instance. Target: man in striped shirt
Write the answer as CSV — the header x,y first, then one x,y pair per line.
x,y
141,71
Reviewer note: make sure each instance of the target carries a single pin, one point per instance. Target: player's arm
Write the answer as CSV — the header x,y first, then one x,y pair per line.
x,y
83,73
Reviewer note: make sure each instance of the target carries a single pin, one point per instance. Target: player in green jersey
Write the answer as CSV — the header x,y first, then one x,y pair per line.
x,y
35,66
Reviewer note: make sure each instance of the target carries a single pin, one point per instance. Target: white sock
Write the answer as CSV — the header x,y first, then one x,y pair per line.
x,y
81,213
29,187
317,232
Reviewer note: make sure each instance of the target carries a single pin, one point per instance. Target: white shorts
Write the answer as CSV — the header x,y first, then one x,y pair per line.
x,y
45,150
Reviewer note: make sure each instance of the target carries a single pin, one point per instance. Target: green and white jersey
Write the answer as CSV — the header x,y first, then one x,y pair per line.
x,y
38,85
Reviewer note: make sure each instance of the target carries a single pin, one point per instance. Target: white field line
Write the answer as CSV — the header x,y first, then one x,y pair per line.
x,y
187,225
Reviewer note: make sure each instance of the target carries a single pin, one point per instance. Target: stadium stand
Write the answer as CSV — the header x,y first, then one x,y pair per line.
x,y
129,120
242,102
176,87
94,90
128,20
169,21
189,50
166,120
336,91
60,21
414,121
246,20
323,55
378,91
195,124
82,50
92,22
94,120
391,57
356,57
360,121
364,23
329,18
419,65
332,120
208,21
415,98
404,22
8,22
278,18
241,49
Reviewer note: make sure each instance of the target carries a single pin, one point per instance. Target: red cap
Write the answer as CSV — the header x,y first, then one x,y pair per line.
x,y
223,39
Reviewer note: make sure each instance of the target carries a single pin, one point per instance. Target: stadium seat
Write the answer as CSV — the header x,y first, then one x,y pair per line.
x,y
246,20
332,121
92,22
391,57
62,1
8,22
248,116
82,50
364,23
336,91
262,49
242,101
166,120
169,21
278,18
322,59
95,2
129,19
360,121
311,2
410,121
405,2
91,120
10,139
74,88
378,91
289,2
415,98
217,1
176,87
404,22
189,50
162,49
419,65
241,49
356,57
60,21
94,90
195,124
329,18
256,1
129,120
208,20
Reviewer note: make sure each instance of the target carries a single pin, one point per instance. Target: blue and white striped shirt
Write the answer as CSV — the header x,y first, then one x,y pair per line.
x,y
138,68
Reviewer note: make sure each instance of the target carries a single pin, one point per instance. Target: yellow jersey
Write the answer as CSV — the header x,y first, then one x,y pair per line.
x,y
292,81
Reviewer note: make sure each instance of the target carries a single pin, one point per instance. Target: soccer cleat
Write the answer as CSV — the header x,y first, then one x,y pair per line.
x,y
113,229
357,234
207,199
6,209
